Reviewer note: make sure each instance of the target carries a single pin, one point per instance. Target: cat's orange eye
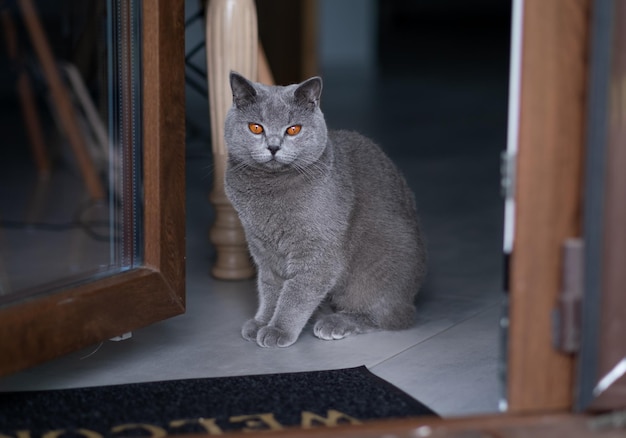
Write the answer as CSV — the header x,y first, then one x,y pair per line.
x,y
255,128
293,130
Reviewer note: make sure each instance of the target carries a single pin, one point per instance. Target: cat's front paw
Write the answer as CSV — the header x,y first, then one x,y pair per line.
x,y
335,326
270,336
250,329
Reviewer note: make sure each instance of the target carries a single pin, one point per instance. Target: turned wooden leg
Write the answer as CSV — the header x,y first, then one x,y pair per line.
x,y
232,44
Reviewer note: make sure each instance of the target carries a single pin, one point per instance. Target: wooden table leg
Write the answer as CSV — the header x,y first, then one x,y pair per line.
x,y
232,44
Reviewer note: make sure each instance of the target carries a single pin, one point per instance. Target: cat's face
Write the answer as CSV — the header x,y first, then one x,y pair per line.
x,y
275,127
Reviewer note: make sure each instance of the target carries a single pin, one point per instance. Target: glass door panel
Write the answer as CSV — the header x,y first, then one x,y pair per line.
x,y
121,192
70,165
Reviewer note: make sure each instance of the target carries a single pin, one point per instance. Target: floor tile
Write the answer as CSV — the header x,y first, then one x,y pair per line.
x,y
206,342
455,372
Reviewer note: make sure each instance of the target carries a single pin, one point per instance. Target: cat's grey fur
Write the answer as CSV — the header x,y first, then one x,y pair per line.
x,y
330,222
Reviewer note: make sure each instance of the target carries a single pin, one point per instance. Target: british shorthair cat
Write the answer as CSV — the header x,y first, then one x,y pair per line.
x,y
330,221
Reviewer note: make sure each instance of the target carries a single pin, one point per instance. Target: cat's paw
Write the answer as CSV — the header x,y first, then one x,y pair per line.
x,y
270,336
335,326
250,329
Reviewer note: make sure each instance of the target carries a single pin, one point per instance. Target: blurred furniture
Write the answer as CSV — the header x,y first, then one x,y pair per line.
x,y
26,97
41,324
60,98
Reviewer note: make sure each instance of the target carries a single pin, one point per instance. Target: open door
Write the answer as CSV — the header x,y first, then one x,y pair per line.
x,y
146,43
554,48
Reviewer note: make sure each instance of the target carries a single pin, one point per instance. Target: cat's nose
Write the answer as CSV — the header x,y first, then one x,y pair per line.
x,y
273,149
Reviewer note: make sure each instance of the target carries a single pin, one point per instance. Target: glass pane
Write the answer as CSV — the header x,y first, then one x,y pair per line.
x,y
70,161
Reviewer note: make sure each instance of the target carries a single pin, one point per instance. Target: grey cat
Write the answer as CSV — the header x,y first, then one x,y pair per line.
x,y
330,222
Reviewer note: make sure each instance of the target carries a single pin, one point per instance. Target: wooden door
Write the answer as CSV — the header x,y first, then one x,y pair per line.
x,y
548,196
570,183
48,325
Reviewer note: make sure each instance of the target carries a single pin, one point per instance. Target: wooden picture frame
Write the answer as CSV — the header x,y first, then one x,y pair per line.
x,y
47,326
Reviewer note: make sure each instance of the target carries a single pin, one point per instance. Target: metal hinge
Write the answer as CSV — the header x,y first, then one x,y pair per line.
x,y
566,318
507,174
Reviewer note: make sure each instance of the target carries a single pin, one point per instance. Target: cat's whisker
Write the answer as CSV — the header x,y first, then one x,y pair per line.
x,y
208,171
305,171
238,166
310,171
314,170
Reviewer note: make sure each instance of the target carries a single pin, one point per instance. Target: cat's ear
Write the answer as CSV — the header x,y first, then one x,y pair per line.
x,y
309,92
243,90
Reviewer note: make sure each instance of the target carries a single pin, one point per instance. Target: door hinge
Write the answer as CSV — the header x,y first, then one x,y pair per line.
x,y
566,318
507,174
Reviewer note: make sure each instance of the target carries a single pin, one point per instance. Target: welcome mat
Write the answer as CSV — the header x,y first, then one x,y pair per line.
x,y
207,406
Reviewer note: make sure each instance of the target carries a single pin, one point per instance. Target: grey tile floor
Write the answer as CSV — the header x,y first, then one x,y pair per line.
x,y
446,137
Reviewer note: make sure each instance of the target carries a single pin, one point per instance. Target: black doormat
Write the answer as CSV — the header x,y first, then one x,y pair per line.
x,y
208,406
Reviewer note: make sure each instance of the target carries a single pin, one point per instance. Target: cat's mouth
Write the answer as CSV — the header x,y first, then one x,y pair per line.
x,y
275,164
272,162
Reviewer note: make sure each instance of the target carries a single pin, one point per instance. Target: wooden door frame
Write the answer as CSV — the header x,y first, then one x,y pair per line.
x,y
548,196
48,326
503,426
